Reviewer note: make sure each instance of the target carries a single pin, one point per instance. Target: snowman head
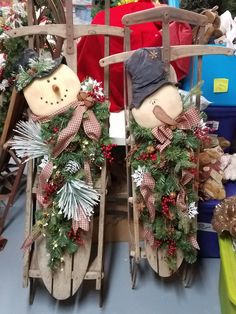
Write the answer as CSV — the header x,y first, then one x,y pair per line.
x,y
48,85
156,99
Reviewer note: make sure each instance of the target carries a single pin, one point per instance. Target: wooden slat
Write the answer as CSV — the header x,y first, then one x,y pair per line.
x,y
164,270
42,259
70,48
152,257
28,221
176,52
161,13
81,260
60,30
62,280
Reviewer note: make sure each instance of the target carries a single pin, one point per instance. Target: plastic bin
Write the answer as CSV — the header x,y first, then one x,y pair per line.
x,y
173,3
206,236
227,282
215,67
226,115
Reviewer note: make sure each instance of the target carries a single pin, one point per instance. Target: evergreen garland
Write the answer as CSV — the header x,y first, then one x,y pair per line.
x,y
57,228
171,228
66,194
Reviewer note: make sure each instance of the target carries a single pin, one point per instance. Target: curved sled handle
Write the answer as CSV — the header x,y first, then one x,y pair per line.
x,y
164,13
60,30
176,52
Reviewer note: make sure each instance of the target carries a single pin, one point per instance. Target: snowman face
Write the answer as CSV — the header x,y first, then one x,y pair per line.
x,y
51,93
167,97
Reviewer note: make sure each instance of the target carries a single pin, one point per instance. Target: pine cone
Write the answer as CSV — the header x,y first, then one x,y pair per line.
x,y
224,218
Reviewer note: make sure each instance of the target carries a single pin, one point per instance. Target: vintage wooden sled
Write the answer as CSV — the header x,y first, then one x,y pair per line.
x,y
79,266
139,248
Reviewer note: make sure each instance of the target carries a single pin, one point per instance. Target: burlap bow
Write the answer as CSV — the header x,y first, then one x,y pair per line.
x,y
185,121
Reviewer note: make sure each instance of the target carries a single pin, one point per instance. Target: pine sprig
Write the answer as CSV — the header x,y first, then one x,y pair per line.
x,y
171,231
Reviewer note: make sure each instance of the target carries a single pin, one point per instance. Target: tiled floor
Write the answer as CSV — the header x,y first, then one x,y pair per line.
x,y
151,295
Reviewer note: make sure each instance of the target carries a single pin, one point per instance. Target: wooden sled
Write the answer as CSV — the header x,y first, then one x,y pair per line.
x,y
79,266
137,249
12,167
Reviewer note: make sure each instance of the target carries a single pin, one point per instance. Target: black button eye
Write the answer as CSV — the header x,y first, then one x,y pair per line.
x,y
54,78
48,81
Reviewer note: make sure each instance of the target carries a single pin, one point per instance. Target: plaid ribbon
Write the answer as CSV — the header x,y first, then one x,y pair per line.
x,y
90,124
193,241
164,135
185,121
87,172
188,119
181,197
91,128
146,189
43,179
181,200
82,222
148,235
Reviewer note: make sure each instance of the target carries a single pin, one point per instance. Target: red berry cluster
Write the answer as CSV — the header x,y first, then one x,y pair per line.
x,y
106,151
166,201
157,244
171,251
193,159
55,129
76,237
146,156
202,134
49,189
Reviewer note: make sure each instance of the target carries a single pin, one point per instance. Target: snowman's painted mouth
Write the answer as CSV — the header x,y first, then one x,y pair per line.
x,y
58,101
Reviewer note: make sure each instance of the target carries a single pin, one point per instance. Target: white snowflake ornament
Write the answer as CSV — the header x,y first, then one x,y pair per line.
x,y
192,210
138,175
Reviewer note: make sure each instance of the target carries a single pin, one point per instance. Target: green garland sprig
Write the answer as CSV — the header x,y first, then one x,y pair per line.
x,y
53,225
166,169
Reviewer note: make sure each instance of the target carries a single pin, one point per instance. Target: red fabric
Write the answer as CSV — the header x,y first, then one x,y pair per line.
x,y
91,48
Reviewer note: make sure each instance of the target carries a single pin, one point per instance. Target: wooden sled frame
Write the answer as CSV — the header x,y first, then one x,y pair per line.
x,y
169,53
11,173
94,271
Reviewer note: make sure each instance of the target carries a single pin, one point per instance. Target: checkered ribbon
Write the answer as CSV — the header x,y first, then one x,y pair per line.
x,y
192,239
148,235
185,121
188,119
87,172
146,189
181,200
82,223
181,197
43,179
164,135
90,124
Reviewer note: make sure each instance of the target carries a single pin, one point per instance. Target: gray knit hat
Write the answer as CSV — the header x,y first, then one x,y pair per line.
x,y
147,73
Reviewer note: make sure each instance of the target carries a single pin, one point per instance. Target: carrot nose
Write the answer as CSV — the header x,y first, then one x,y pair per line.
x,y
55,88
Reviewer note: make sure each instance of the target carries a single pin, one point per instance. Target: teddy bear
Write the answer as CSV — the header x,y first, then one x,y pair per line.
x,y
212,28
229,166
211,174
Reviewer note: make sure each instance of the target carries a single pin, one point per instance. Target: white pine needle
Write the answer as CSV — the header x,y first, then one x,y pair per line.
x,y
28,142
77,195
